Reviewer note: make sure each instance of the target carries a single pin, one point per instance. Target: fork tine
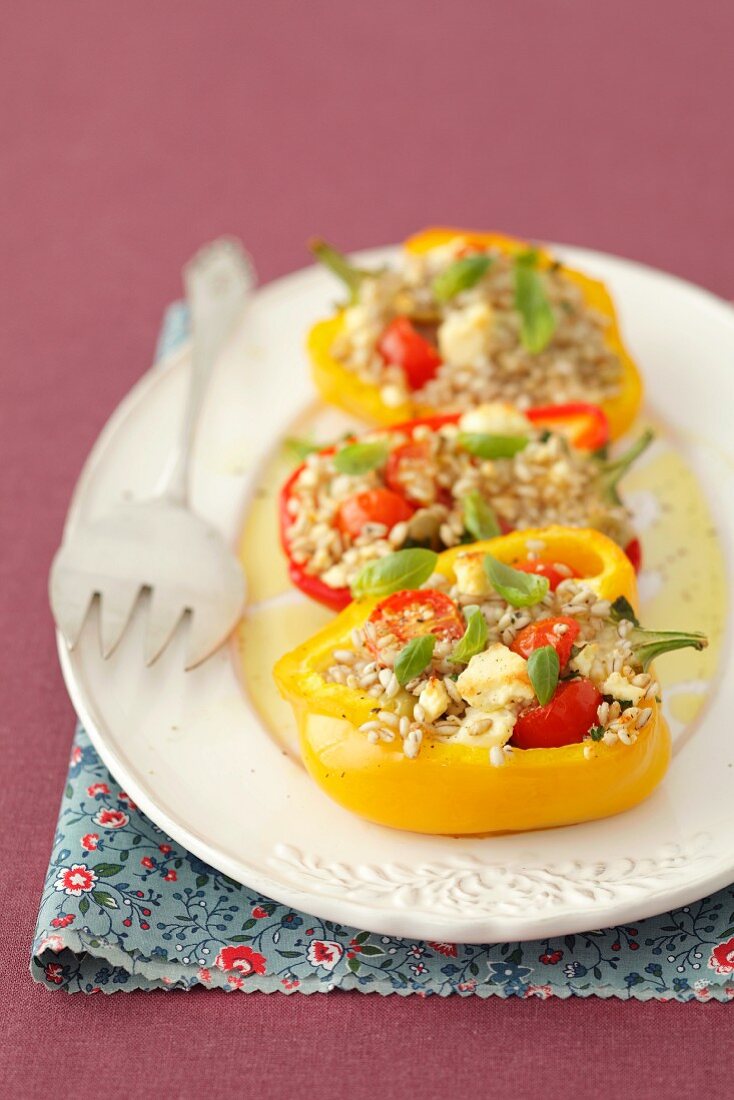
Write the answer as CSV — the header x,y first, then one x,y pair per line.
x,y
119,596
207,630
71,596
164,615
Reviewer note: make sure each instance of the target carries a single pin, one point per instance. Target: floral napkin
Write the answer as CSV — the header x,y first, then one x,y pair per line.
x,y
124,908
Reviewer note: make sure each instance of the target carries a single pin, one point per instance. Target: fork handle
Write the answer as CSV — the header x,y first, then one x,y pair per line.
x,y
218,280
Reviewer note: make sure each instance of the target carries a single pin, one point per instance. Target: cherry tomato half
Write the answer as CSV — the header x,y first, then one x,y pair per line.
x,y
535,635
372,506
408,615
402,345
564,721
544,569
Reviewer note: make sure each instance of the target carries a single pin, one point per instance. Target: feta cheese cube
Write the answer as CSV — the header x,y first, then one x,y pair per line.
x,y
496,679
434,699
463,338
621,689
584,660
495,418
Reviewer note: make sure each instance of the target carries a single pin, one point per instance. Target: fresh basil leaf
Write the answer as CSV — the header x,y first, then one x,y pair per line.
x,y
518,588
622,609
414,658
479,518
360,458
537,319
543,670
484,445
474,639
596,733
461,275
402,569
300,449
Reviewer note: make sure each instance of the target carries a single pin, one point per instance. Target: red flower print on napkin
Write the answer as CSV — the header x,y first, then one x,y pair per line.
x,y
324,953
722,958
111,819
76,880
242,959
447,949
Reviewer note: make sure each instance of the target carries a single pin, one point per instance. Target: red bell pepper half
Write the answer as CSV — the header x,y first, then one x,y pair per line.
x,y
585,426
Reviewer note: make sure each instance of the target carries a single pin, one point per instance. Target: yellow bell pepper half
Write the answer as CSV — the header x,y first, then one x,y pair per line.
x,y
340,386
452,788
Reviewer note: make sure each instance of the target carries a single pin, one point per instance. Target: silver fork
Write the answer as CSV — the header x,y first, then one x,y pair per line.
x,y
158,544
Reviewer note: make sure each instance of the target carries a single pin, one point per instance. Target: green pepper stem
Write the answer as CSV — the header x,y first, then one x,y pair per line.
x,y
339,265
612,471
649,644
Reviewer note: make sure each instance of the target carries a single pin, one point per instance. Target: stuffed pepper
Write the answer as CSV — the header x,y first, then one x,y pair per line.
x,y
504,686
468,318
449,480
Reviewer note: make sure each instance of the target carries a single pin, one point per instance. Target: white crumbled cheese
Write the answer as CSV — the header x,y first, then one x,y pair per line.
x,y
434,699
393,395
496,679
495,418
464,337
483,729
470,576
584,659
621,689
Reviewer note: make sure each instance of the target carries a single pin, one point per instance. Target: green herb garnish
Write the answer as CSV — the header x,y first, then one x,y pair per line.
x,y
543,670
622,609
360,458
402,569
461,275
474,639
484,445
340,266
414,658
518,588
596,733
537,319
300,449
479,518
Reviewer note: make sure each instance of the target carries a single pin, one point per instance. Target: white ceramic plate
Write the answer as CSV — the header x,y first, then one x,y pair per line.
x,y
209,757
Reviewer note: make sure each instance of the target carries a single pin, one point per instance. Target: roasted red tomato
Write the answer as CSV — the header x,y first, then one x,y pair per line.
x,y
541,633
544,569
564,721
373,506
402,344
408,615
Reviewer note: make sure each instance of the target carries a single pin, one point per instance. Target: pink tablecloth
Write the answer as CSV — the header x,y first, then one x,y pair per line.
x,y
130,134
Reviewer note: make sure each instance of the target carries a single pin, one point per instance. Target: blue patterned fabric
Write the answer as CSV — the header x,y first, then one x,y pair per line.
x,y
124,907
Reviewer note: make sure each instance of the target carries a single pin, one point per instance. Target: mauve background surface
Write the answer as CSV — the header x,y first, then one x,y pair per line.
x,y
130,134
